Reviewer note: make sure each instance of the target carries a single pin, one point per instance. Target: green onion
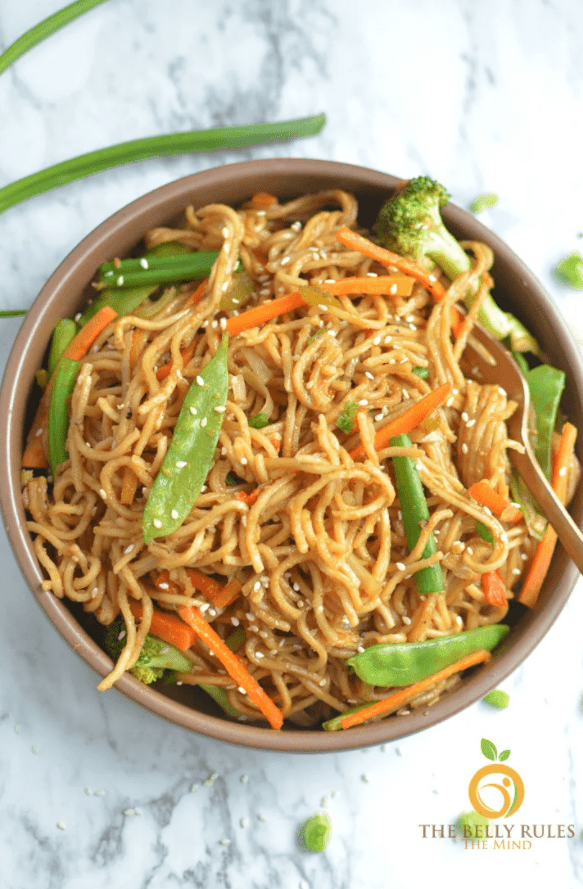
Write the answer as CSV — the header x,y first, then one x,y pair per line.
x,y
258,421
44,29
570,270
12,313
156,146
315,832
497,698
422,372
483,201
345,421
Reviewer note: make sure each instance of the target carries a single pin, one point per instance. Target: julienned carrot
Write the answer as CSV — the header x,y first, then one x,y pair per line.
x,y
82,341
164,371
248,497
264,312
494,588
168,627
544,552
387,258
386,285
238,673
129,486
379,708
76,350
456,319
228,594
408,420
262,200
496,503
208,586
198,294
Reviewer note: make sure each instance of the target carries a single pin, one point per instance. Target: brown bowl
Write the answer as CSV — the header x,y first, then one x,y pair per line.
x,y
63,295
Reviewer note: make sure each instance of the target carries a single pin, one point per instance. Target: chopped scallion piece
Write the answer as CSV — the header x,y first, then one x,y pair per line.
x,y
484,201
345,421
258,421
497,698
570,270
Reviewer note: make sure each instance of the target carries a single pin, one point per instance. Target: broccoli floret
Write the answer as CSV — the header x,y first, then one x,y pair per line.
x,y
410,223
155,657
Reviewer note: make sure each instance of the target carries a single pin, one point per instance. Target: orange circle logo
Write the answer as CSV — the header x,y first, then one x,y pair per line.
x,y
510,801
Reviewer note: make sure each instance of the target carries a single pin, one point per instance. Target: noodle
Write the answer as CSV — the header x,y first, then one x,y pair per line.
x,y
321,553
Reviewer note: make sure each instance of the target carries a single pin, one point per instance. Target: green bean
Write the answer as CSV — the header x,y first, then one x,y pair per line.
x,y
415,513
404,663
153,269
63,333
315,832
191,451
58,424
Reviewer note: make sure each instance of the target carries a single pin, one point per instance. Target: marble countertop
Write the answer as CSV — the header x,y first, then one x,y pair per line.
x,y
96,793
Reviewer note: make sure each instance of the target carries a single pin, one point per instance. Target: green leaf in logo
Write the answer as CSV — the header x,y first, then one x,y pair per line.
x,y
489,749
504,755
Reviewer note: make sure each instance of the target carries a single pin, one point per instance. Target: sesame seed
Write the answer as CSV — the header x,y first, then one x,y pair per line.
x,y
129,548
102,493
180,464
465,417
164,586
223,322
225,841
193,411
363,402
157,523
120,281
242,690
144,263
60,825
174,514
368,374
243,461
243,822
200,380
204,421
121,635
235,621
470,423
220,409
465,448
563,470
401,566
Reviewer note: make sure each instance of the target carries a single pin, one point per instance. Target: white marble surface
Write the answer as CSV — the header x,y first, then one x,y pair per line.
x,y
95,793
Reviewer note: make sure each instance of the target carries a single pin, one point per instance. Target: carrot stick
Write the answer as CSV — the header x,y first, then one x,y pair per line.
x,y
208,586
456,319
379,708
232,665
387,258
408,420
262,200
32,457
82,341
385,285
198,294
168,627
544,552
496,503
494,588
264,312
164,371
248,497
229,593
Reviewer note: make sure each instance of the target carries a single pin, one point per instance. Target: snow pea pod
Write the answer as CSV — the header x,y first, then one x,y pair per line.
x,y
124,302
191,451
415,512
404,663
545,384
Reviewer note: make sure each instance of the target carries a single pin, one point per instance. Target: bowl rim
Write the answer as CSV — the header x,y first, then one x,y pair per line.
x,y
81,263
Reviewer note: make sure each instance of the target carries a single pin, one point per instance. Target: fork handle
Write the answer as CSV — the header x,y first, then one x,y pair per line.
x,y
566,529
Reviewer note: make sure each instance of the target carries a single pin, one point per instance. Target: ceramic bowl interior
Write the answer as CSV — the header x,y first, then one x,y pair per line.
x,y
65,293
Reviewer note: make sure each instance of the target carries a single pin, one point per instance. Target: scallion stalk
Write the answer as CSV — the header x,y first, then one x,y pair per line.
x,y
156,146
44,29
